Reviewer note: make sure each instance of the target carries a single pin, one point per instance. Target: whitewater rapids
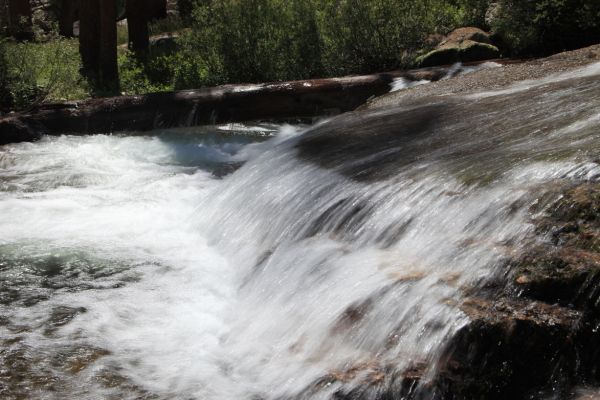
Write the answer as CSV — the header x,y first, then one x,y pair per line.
x,y
151,267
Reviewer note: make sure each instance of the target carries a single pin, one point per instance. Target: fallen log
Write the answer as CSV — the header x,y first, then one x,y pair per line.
x,y
222,104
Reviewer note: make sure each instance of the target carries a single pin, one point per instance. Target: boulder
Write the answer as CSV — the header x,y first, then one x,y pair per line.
x,y
511,349
164,44
461,45
565,268
468,33
566,276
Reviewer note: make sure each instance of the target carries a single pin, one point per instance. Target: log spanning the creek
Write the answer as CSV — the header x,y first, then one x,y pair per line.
x,y
222,104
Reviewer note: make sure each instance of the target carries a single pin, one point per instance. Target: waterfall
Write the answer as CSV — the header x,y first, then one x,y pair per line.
x,y
336,257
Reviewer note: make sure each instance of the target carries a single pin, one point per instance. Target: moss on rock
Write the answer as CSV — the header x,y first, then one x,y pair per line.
x,y
465,51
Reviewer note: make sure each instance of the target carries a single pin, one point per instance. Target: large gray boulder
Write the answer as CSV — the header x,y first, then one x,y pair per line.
x,y
461,45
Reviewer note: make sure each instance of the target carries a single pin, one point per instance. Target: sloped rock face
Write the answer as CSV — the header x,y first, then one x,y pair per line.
x,y
509,349
541,334
535,336
565,268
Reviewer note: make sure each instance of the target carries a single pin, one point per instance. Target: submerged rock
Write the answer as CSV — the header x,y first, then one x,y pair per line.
x,y
509,348
542,335
565,268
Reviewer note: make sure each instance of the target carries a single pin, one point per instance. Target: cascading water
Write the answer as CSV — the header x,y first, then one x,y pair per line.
x,y
331,260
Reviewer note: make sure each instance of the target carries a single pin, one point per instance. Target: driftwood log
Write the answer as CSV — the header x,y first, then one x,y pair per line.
x,y
222,104
282,101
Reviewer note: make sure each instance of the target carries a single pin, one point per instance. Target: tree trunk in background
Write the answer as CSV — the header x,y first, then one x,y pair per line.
x,y
89,38
19,19
159,9
137,25
68,12
108,73
98,44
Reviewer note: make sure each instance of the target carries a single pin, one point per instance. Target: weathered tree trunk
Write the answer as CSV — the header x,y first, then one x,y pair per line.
x,y
89,38
157,9
285,101
68,12
19,19
137,25
108,71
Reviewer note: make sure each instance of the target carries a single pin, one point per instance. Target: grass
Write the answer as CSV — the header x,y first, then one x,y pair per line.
x,y
43,72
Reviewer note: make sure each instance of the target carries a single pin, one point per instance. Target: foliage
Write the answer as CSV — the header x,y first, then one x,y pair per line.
x,y
185,7
472,12
255,40
365,36
5,97
227,41
268,40
137,76
122,34
546,26
167,25
38,72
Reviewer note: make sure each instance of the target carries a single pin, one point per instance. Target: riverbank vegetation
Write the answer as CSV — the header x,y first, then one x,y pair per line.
x,y
211,42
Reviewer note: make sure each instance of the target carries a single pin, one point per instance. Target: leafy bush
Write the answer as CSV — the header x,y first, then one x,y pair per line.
x,y
39,72
154,74
122,34
5,97
254,40
364,36
269,40
544,26
167,25
472,12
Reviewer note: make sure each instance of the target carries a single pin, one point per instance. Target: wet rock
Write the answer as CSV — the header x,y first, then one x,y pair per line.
x,y
544,335
493,78
581,203
61,316
224,169
566,276
14,129
83,358
565,269
509,348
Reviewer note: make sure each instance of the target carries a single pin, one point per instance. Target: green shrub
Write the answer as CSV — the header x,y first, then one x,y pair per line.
x,y
135,77
5,97
270,40
40,72
364,36
254,40
167,25
122,34
545,26
472,12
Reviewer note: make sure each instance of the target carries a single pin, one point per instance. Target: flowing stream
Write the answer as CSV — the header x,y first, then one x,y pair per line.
x,y
137,266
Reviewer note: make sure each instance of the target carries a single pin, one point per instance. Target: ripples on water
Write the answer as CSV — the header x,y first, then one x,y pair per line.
x,y
152,267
